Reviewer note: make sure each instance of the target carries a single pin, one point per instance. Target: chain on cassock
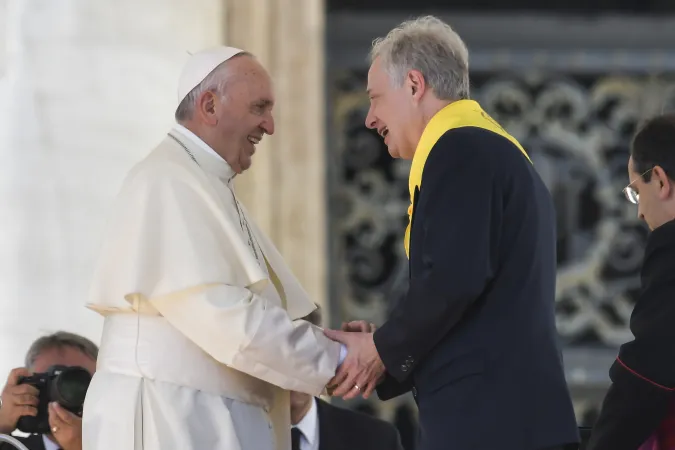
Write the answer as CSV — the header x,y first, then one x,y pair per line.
x,y
577,131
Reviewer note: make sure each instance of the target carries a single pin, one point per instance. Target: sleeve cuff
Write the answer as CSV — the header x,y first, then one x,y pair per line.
x,y
343,354
398,364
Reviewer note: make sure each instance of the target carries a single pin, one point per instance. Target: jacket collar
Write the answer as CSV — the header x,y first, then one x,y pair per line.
x,y
458,114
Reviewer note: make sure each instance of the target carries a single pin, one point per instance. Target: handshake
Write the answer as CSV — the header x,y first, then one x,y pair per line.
x,y
362,370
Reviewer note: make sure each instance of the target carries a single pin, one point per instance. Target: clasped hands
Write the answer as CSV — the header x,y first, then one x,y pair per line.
x,y
362,369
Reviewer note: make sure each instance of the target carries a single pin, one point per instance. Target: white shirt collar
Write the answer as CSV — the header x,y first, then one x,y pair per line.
x,y
217,165
196,139
309,425
49,445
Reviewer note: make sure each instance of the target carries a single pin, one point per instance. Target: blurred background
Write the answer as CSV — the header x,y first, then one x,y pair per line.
x,y
88,87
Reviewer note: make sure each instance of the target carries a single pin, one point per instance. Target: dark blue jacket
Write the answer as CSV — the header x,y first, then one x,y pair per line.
x,y
475,336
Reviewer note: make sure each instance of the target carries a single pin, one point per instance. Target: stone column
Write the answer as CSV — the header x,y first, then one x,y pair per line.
x,y
87,88
285,188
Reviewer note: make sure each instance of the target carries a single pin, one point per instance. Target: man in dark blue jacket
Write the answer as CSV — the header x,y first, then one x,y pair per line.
x,y
475,337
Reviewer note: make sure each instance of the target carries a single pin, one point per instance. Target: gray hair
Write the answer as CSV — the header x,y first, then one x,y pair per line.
x,y
431,46
216,81
60,340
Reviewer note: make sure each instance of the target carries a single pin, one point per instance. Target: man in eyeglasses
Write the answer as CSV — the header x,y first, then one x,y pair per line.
x,y
641,395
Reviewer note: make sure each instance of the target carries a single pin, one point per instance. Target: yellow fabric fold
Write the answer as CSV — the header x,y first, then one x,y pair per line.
x,y
459,114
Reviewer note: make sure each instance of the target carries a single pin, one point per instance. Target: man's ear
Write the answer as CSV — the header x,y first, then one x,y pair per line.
x,y
416,84
665,184
206,107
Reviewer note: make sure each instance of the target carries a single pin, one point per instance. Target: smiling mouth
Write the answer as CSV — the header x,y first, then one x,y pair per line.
x,y
384,131
255,140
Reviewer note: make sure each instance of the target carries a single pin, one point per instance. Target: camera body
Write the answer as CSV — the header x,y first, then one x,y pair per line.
x,y
65,385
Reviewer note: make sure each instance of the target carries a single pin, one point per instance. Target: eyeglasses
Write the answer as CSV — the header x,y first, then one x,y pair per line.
x,y
629,191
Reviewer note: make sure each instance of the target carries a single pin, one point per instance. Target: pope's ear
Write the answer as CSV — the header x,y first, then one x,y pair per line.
x,y
206,107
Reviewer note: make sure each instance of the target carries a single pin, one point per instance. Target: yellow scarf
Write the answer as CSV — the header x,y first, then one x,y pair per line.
x,y
462,113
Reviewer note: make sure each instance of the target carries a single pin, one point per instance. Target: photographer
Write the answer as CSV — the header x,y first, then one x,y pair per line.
x,y
21,399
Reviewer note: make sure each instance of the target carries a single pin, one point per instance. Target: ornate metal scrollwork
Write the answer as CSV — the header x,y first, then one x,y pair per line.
x,y
577,131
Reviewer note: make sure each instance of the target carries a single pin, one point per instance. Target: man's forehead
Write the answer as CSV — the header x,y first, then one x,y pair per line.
x,y
372,83
244,62
255,85
376,76
631,167
68,356
247,68
264,90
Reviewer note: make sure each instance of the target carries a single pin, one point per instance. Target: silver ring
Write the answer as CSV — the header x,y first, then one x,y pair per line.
x,y
357,387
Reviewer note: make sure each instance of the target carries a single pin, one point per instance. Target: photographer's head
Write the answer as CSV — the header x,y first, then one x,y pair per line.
x,y
62,349
651,169
46,395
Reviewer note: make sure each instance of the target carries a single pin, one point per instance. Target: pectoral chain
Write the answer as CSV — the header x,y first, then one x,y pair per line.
x,y
192,157
243,223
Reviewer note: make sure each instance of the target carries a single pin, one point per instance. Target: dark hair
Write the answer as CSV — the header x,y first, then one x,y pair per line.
x,y
654,145
59,340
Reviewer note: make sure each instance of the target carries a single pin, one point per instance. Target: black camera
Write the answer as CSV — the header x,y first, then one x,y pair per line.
x,y
65,385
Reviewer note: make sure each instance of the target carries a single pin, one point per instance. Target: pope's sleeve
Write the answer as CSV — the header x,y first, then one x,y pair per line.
x,y
246,332
174,253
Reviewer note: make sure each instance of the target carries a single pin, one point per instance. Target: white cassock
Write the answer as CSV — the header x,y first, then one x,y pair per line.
x,y
200,344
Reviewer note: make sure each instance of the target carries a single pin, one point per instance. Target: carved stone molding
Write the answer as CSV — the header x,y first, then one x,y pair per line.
x,y
285,188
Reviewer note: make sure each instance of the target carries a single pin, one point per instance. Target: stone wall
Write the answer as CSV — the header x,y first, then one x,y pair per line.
x,y
285,188
87,87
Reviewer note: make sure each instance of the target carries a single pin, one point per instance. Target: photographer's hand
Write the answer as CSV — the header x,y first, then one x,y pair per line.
x,y
17,400
66,427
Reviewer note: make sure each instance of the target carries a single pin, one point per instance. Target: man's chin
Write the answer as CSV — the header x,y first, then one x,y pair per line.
x,y
245,164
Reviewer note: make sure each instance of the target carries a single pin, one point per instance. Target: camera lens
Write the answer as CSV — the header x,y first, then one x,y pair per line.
x,y
70,387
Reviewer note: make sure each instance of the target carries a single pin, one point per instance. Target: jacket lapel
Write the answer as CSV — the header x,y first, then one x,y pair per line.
x,y
330,436
412,221
34,442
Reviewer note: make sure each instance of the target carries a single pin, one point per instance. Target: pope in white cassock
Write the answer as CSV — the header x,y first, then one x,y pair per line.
x,y
201,343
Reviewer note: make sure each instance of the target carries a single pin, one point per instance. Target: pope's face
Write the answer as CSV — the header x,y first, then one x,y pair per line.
x,y
245,114
392,113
